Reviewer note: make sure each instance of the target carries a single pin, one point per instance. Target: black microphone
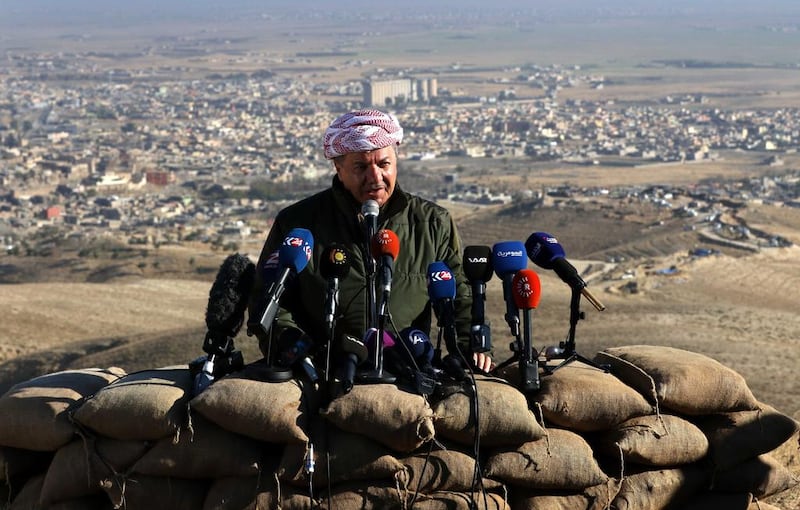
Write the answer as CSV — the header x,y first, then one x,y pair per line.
x,y
478,270
333,266
293,256
354,352
544,250
227,302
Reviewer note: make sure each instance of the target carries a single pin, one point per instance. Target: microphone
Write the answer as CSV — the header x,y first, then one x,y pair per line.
x,y
370,211
293,256
442,293
385,246
412,358
227,301
477,264
353,352
527,291
369,226
294,346
370,340
544,250
508,257
333,266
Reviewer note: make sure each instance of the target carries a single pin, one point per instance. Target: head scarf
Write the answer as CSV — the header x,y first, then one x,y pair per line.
x,y
361,131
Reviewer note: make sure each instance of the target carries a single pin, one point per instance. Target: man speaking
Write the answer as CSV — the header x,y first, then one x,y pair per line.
x,y
364,197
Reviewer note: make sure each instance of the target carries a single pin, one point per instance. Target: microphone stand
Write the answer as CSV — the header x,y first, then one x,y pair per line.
x,y
377,374
568,353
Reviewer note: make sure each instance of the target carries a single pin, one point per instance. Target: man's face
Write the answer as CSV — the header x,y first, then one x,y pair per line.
x,y
369,175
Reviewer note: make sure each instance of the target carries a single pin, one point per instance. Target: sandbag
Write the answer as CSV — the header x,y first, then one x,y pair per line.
x,y
255,493
658,489
503,411
96,502
664,440
79,468
142,492
598,497
28,496
395,418
205,451
364,496
243,403
34,415
453,500
738,436
348,456
15,463
443,470
146,405
562,460
682,381
585,399
762,476
720,501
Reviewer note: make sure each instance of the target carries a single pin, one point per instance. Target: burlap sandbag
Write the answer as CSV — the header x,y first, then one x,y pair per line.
x,y
395,418
664,440
453,500
16,463
145,405
34,415
443,470
660,488
28,496
96,502
586,399
205,451
762,476
244,403
737,436
682,381
79,468
364,496
502,410
720,501
347,456
562,460
255,493
142,492
598,497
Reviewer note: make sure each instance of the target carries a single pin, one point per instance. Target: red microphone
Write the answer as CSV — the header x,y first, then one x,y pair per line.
x,y
527,291
385,246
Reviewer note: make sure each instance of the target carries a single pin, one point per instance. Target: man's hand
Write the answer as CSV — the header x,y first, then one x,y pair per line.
x,y
482,361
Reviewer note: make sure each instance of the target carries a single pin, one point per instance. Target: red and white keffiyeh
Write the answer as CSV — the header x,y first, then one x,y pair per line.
x,y
361,131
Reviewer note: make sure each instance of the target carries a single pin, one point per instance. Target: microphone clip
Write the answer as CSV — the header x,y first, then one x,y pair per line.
x,y
480,337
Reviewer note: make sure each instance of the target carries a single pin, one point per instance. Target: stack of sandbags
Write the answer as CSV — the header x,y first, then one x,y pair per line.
x,y
663,429
709,443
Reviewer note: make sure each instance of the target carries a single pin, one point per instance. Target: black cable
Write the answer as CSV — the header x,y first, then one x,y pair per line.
x,y
477,478
421,473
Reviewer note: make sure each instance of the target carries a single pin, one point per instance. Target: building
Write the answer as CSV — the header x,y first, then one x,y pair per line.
x,y
400,90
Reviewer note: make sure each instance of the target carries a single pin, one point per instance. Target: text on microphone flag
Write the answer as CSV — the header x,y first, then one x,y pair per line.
x,y
440,276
